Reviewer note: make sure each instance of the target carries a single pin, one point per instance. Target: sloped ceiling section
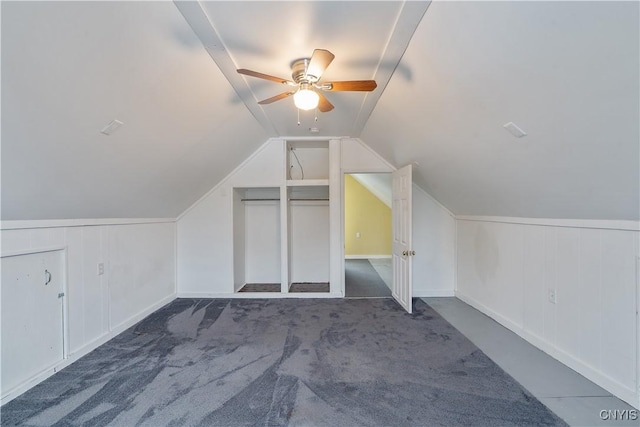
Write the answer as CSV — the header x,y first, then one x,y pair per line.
x,y
565,72
69,68
378,184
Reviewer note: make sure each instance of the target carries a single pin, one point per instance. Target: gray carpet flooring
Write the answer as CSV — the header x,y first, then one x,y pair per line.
x,y
309,287
310,362
362,280
294,288
384,268
261,287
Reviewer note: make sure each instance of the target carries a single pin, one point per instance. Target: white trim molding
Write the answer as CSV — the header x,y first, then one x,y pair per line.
x,y
56,223
367,256
265,295
554,222
434,293
608,383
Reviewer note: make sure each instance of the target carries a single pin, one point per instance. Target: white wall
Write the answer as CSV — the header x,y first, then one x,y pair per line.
x,y
205,259
313,158
262,242
239,241
505,269
141,266
433,239
205,231
434,227
309,241
139,275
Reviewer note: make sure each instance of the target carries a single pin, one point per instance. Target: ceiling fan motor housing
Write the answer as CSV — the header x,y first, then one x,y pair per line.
x,y
299,72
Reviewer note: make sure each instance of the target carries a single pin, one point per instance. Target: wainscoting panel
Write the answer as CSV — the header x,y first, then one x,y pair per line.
x,y
571,291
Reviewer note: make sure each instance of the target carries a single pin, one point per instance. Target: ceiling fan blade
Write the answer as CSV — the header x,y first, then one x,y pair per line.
x,y
265,76
276,98
319,62
323,103
351,85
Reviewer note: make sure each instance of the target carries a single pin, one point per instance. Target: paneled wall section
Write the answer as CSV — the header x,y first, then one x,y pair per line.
x,y
513,272
139,274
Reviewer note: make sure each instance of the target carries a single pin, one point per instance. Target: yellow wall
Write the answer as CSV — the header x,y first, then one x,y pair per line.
x,y
366,214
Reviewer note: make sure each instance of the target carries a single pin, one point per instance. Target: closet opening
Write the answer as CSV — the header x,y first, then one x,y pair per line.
x,y
309,238
308,216
256,239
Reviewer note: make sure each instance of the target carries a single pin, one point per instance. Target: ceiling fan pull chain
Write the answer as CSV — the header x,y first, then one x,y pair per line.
x,y
298,110
316,115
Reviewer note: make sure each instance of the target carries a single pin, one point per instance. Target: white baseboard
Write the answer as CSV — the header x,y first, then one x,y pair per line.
x,y
584,369
367,256
115,330
243,295
82,351
433,293
266,295
507,323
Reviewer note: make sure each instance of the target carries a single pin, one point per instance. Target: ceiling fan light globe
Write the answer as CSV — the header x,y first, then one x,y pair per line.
x,y
306,99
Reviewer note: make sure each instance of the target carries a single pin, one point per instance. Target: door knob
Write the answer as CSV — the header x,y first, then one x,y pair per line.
x,y
413,253
405,253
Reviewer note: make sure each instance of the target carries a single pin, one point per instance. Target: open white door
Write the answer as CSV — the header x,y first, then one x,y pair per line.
x,y
402,252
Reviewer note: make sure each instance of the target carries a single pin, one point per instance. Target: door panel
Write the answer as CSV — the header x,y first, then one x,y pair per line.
x,y
32,316
402,258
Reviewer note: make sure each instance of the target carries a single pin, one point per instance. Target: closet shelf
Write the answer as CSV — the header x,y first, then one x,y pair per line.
x,y
306,182
291,200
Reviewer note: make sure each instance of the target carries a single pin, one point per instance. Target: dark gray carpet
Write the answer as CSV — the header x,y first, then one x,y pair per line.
x,y
309,287
362,280
311,362
261,287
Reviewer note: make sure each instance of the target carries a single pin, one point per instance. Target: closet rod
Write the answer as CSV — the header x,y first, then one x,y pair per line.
x,y
276,200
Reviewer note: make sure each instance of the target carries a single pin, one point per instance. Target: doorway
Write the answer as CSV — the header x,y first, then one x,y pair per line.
x,y
368,235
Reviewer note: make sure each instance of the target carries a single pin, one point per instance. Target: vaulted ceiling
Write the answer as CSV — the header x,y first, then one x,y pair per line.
x,y
567,73
367,39
450,75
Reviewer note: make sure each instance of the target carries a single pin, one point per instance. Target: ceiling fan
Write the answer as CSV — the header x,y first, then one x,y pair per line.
x,y
306,87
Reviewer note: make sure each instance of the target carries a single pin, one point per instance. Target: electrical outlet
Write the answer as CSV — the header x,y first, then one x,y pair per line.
x,y
100,269
358,235
552,296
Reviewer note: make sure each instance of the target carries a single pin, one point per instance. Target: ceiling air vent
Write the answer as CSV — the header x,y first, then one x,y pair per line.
x,y
111,127
514,130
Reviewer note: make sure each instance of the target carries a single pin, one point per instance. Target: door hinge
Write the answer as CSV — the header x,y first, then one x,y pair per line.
x,y
61,294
